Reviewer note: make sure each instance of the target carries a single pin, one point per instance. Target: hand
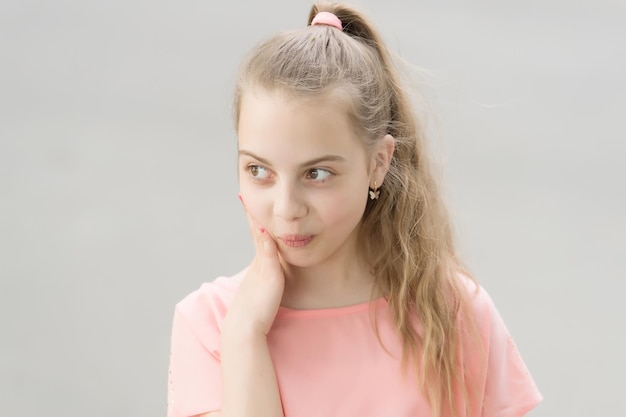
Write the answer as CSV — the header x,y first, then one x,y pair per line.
x,y
249,380
257,300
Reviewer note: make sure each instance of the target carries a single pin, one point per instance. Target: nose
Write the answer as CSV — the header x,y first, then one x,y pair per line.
x,y
289,202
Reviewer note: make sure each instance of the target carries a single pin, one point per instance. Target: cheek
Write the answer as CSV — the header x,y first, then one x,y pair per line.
x,y
344,209
254,202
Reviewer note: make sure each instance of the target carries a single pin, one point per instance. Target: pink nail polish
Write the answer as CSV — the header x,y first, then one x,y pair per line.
x,y
239,197
261,229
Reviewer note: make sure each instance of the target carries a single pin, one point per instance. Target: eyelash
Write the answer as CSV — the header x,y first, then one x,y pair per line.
x,y
255,178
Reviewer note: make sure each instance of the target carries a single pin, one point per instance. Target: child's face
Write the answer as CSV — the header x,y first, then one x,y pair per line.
x,y
303,174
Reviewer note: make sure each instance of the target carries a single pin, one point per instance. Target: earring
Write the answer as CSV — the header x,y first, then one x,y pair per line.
x,y
375,193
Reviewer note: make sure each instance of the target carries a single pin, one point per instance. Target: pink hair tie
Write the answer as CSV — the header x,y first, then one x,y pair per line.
x,y
326,18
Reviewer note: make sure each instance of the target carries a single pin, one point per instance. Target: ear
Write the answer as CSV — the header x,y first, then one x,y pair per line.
x,y
381,159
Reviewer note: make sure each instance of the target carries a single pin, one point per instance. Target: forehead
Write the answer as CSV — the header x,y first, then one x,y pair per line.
x,y
273,123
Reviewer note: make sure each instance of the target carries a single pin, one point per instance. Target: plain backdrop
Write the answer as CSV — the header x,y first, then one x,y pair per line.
x,y
118,182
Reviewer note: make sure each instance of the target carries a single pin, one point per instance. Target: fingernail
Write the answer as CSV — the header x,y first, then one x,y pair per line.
x,y
239,197
261,229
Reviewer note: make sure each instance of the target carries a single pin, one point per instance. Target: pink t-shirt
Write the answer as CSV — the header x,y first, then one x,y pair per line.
x,y
330,362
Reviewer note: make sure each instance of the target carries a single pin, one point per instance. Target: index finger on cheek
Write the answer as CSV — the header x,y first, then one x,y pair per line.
x,y
256,230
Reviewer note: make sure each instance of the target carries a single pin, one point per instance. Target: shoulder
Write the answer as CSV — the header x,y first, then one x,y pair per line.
x,y
203,310
479,312
482,323
476,297
492,360
215,294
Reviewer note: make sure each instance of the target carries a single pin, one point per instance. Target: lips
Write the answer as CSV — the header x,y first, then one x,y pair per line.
x,y
296,241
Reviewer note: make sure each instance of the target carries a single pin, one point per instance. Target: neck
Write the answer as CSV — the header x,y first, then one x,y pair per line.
x,y
337,282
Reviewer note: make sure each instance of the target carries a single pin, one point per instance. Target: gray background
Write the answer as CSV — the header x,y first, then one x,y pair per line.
x,y
118,183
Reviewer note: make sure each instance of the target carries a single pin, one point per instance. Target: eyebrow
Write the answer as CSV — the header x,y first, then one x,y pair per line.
x,y
324,158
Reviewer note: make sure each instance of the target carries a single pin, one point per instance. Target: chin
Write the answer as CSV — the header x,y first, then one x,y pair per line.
x,y
299,260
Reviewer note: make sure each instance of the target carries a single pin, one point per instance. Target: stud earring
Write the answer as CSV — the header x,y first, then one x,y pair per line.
x,y
374,193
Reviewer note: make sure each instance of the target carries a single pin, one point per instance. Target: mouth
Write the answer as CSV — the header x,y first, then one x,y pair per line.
x,y
296,241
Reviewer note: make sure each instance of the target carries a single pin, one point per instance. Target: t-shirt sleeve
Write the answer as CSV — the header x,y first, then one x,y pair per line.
x,y
194,385
506,387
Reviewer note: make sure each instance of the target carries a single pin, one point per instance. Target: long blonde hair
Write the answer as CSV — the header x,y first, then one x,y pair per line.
x,y
406,233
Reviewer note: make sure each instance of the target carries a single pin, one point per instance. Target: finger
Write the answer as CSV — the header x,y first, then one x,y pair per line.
x,y
269,245
264,243
270,261
266,246
256,229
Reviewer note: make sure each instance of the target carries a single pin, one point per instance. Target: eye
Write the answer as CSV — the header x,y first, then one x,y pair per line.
x,y
318,174
258,172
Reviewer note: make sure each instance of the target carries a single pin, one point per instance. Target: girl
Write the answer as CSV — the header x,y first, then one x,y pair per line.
x,y
355,303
